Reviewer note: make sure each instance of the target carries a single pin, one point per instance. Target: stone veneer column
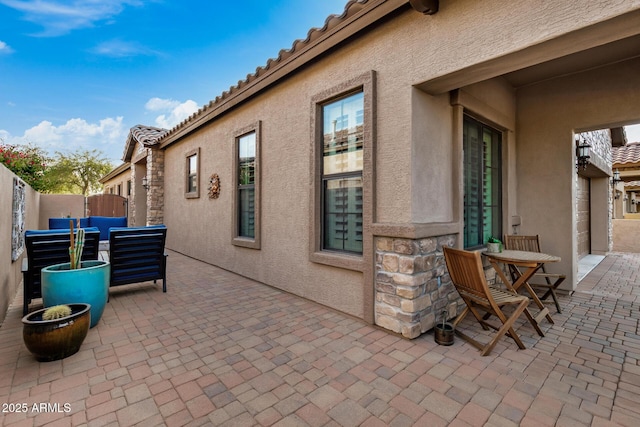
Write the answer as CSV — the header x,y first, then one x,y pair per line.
x,y
155,194
413,287
132,197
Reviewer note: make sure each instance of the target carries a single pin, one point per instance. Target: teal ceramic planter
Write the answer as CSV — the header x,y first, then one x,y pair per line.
x,y
89,285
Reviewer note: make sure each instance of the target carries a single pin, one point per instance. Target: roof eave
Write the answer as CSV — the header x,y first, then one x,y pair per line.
x,y
337,30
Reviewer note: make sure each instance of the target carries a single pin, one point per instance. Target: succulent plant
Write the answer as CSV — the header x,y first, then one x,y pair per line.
x,y
56,312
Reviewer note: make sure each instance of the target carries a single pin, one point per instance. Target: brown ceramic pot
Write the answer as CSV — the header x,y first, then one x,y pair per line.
x,y
56,339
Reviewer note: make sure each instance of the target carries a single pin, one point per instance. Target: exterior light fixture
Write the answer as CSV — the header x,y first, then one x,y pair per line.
x,y
145,182
616,179
582,153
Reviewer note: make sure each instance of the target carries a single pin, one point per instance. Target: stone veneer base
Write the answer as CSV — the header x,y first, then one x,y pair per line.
x,y
413,287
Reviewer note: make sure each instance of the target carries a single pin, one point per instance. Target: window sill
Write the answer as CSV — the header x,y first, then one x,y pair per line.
x,y
245,242
191,195
339,260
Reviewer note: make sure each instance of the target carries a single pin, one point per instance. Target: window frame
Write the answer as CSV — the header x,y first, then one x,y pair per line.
x,y
364,83
192,194
340,176
499,209
236,238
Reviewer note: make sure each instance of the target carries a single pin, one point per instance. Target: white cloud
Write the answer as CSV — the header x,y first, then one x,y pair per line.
x,y
159,104
5,48
58,17
108,136
123,49
175,111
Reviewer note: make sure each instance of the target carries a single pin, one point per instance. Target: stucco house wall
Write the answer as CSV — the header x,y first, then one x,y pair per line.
x,y
507,65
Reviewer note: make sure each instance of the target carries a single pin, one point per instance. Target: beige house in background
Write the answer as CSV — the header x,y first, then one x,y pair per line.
x,y
339,169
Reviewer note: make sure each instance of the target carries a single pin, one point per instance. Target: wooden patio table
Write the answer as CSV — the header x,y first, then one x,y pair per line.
x,y
525,264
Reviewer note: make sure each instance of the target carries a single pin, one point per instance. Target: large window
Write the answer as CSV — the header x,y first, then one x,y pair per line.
x,y
342,165
246,182
192,170
482,183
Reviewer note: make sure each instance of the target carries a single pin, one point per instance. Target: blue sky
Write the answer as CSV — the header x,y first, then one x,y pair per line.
x,y
81,73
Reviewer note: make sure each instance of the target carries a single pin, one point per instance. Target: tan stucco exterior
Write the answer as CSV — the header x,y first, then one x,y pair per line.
x,y
538,75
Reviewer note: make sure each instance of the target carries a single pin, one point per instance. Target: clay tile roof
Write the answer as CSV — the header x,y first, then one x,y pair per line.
x,y
351,8
625,154
147,135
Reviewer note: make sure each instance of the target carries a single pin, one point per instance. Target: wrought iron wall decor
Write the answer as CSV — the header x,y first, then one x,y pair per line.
x,y
214,186
18,220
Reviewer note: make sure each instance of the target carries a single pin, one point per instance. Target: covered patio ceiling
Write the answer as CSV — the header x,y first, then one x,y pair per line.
x,y
599,45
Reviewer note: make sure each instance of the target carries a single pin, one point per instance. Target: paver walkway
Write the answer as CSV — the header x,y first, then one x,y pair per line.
x,y
219,349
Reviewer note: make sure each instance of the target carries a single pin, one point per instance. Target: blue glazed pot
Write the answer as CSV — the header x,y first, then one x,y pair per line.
x,y
89,285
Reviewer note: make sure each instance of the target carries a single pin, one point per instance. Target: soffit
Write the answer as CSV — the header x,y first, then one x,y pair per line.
x,y
601,44
596,57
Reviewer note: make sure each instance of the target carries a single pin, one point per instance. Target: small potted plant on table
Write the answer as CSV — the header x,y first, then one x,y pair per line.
x,y
494,245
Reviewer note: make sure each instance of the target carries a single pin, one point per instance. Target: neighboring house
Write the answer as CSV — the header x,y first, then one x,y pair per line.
x,y
348,161
626,159
140,176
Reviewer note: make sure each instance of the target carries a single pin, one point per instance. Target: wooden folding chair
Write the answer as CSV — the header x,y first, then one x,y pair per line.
x,y
467,275
549,281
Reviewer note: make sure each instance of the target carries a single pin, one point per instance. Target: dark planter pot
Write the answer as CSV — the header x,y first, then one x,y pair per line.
x,y
89,284
444,333
56,339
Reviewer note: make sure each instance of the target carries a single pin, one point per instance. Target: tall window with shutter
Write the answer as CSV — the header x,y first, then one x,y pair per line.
x,y
482,183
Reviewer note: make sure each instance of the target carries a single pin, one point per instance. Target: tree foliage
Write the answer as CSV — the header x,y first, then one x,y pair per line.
x,y
75,173
26,161
78,172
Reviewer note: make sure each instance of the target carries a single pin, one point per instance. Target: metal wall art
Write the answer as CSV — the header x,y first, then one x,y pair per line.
x,y
214,186
17,226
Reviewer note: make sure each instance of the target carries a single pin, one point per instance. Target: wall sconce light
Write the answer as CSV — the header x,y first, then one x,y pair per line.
x,y
145,182
616,178
583,155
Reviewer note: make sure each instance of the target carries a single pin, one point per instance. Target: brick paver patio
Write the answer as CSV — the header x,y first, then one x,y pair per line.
x,y
219,349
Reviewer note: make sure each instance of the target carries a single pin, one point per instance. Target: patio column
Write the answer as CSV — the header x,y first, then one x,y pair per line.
x,y
155,193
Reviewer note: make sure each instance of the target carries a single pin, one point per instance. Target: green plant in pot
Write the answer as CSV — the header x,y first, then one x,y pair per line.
x,y
56,332
494,245
77,281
